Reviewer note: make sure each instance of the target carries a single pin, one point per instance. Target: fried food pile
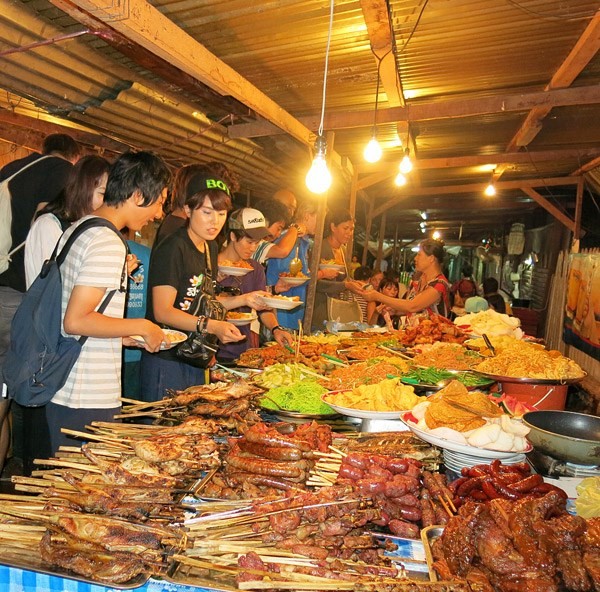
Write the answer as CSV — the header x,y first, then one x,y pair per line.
x,y
432,329
527,545
528,360
450,356
459,409
368,372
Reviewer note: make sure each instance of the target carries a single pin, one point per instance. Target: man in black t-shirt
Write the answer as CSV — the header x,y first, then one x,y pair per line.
x,y
41,183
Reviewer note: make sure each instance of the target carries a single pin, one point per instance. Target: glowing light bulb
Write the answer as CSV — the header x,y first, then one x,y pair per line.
x,y
406,164
318,178
436,235
423,225
424,215
372,152
423,230
490,190
400,180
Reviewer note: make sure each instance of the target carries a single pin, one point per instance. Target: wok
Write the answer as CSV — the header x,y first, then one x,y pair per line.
x,y
569,436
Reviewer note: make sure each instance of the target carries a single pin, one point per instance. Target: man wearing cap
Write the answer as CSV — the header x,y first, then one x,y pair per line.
x,y
246,228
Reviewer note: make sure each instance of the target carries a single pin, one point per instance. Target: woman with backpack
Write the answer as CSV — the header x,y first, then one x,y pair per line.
x,y
429,293
464,288
83,194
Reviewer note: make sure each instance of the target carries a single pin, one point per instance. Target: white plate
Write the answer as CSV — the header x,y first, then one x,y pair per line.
x,y
294,281
281,303
244,321
235,271
332,266
175,338
455,446
362,413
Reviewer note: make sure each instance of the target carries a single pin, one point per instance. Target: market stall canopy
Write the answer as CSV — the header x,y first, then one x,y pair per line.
x,y
474,89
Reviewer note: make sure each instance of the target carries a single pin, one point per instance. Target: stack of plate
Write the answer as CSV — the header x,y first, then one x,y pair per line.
x,y
455,461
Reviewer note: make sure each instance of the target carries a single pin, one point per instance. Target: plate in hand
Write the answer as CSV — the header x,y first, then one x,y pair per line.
x,y
175,338
240,321
280,302
294,281
235,271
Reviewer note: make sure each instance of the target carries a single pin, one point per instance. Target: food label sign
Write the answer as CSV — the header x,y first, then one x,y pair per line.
x,y
582,307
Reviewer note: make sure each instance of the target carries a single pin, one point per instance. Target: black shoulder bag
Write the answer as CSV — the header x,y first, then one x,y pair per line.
x,y
199,348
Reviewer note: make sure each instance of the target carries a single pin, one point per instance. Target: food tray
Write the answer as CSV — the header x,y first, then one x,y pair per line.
x,y
499,378
435,387
33,562
361,413
484,453
234,271
297,415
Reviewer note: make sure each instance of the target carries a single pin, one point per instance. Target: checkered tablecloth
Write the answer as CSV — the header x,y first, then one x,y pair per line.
x,y
20,580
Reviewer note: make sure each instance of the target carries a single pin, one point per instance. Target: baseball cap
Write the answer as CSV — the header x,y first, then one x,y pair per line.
x,y
251,221
202,182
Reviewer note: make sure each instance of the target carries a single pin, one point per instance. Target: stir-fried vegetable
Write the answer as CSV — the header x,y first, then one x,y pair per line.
x,y
435,375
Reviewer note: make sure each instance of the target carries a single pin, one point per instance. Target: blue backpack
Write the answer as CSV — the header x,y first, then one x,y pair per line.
x,y
40,357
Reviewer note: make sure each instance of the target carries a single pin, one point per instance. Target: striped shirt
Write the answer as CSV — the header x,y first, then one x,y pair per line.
x,y
262,251
95,259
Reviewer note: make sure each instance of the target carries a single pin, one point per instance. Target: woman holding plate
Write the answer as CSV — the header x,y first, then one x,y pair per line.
x,y
183,266
429,293
247,228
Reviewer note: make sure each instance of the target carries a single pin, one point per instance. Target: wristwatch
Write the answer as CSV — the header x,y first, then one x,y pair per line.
x,y
277,328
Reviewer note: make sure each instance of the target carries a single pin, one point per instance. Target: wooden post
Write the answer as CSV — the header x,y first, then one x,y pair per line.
x,y
315,257
381,237
352,209
367,233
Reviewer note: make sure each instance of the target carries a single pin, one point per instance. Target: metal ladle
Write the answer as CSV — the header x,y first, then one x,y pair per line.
x,y
295,263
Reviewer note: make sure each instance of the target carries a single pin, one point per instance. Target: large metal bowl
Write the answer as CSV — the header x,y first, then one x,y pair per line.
x,y
569,436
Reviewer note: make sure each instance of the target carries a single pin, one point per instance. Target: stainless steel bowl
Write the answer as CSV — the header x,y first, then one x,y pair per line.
x,y
569,436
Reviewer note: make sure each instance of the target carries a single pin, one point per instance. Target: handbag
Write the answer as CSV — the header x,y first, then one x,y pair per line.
x,y
199,348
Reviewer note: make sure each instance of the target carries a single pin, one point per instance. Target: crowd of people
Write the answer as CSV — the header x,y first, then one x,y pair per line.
x,y
177,284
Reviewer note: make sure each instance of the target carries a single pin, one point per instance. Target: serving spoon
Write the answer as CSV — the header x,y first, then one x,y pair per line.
x,y
295,263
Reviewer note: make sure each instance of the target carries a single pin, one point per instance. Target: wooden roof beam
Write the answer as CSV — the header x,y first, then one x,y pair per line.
x,y
584,50
143,24
474,188
444,109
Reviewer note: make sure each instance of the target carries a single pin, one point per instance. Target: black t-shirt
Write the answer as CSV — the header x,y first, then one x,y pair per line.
x,y
176,262
40,183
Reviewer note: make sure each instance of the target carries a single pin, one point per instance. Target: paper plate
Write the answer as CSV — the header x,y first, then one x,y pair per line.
x,y
243,321
235,271
282,302
175,338
361,413
294,281
481,453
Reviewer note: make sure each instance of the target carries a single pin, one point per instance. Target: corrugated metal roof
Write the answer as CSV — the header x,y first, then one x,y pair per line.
x,y
446,51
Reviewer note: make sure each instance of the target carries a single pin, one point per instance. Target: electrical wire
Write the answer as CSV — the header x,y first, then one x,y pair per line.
x,y
551,17
326,66
416,25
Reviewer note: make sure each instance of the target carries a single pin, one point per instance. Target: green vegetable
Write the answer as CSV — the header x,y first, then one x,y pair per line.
x,y
283,375
435,375
302,397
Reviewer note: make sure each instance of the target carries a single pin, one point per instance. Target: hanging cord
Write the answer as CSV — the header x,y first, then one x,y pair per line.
x,y
379,60
326,67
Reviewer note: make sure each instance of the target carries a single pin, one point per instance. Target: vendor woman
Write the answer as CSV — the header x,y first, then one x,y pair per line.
x,y
178,265
429,293
339,227
247,228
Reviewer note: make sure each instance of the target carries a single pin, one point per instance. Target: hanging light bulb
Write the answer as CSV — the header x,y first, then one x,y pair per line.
x,y
373,152
318,178
490,190
406,164
423,224
437,235
424,215
423,230
400,180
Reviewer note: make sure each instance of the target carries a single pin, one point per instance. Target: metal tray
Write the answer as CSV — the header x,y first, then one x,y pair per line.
x,y
34,563
558,381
